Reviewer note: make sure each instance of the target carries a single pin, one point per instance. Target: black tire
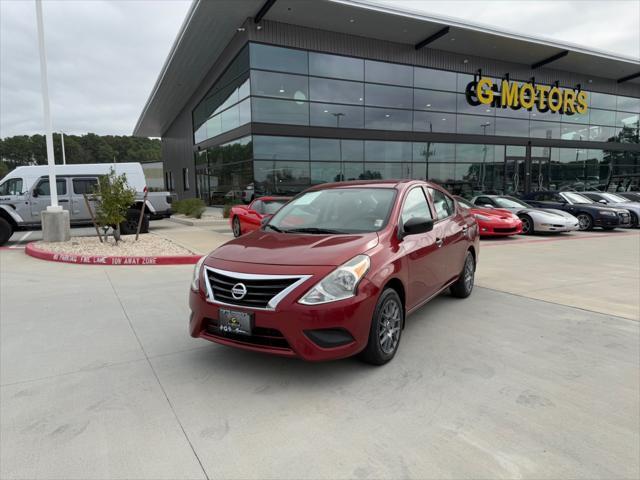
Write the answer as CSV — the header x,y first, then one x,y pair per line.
x,y
585,222
386,329
464,285
527,225
237,231
6,230
634,220
130,225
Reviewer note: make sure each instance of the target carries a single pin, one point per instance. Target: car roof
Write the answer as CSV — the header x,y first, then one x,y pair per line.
x,y
273,197
372,183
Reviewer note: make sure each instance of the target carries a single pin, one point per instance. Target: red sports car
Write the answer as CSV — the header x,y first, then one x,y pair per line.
x,y
493,222
248,218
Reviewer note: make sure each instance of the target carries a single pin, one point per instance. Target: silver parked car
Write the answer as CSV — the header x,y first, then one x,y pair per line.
x,y
533,219
616,200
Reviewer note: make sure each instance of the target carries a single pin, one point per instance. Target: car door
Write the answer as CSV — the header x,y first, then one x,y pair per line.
x,y
451,230
41,196
418,250
79,187
250,221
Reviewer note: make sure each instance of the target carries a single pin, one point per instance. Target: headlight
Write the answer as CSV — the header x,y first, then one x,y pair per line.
x,y
481,217
195,282
607,212
339,284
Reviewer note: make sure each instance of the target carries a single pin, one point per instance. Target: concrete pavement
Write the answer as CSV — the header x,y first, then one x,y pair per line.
x,y
99,379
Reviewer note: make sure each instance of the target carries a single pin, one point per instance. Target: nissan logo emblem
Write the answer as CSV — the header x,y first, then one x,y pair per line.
x,y
238,291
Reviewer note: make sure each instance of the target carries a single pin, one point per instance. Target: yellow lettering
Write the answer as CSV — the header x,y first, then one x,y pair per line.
x,y
509,94
581,107
555,99
542,96
527,96
484,91
568,101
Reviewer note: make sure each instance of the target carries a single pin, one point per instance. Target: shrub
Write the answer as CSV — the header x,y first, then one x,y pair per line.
x,y
114,199
191,207
226,211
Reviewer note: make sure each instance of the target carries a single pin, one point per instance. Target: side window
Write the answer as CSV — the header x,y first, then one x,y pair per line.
x,y
482,201
11,187
557,198
85,185
43,187
415,205
443,204
257,206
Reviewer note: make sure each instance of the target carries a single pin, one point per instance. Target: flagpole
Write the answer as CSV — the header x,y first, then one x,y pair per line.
x,y
64,158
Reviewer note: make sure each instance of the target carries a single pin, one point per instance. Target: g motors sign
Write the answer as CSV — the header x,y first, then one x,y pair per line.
x,y
514,95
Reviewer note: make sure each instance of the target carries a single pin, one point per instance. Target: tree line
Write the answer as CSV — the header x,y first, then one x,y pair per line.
x,y
22,150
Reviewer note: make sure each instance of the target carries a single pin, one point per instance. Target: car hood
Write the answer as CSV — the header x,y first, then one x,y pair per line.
x,y
631,206
274,248
494,212
550,211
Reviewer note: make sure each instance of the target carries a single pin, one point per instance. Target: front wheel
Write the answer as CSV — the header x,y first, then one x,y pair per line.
x,y
386,329
130,225
6,230
237,231
585,222
527,224
464,285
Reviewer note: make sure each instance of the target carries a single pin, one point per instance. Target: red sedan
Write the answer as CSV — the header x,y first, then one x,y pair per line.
x,y
248,218
335,271
493,222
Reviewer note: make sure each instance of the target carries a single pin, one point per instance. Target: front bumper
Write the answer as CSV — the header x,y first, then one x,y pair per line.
x,y
160,215
294,330
569,226
501,229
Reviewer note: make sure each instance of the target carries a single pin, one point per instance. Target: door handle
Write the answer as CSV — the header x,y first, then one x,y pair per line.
x,y
465,229
439,242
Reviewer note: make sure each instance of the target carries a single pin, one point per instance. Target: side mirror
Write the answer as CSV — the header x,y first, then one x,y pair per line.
x,y
603,201
417,225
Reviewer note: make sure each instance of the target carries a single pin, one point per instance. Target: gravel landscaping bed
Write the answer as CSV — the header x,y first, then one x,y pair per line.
x,y
148,245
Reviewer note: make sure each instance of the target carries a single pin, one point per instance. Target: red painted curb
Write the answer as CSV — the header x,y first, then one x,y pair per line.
x,y
35,252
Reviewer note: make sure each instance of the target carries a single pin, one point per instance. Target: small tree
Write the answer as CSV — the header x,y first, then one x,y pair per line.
x,y
115,198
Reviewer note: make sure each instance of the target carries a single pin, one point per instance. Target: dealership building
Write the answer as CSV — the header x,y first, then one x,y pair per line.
x,y
272,96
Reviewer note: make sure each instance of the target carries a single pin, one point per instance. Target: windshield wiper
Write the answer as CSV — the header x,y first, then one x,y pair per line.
x,y
312,230
275,229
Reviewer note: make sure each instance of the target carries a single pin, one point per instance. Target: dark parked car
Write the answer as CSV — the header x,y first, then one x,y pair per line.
x,y
618,201
335,271
589,214
633,196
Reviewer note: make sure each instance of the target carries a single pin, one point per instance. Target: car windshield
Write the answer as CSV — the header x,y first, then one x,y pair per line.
x,y
510,202
272,206
335,210
614,198
576,198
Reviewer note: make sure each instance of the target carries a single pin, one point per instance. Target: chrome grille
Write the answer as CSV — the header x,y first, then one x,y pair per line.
x,y
262,291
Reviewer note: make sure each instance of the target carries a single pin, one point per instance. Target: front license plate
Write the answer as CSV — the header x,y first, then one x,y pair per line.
x,y
230,321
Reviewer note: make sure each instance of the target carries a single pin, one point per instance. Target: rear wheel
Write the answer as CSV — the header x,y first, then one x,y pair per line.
x,y
585,222
386,329
464,285
130,225
237,231
634,220
6,230
527,224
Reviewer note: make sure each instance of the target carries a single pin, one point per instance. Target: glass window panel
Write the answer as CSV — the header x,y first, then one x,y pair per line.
x,y
391,73
239,65
281,59
546,116
415,206
353,171
230,119
629,104
280,148
386,119
352,150
441,172
576,117
282,178
280,111
521,113
373,170
419,171
245,111
544,129
601,134
469,173
244,90
224,171
437,79
325,65
325,149
336,91
465,107
626,119
214,126
388,96
432,100
201,134
342,116
476,125
381,151
280,85
43,187
574,132
434,152
512,127
325,172
467,153
602,100
463,81
602,117
434,122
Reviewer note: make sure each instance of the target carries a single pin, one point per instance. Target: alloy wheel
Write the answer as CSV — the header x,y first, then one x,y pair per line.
x,y
236,227
584,222
469,272
389,329
526,225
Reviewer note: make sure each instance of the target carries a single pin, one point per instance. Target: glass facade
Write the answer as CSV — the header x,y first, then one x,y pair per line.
x,y
282,86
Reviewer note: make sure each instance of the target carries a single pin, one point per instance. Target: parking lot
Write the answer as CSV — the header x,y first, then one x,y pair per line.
x,y
536,375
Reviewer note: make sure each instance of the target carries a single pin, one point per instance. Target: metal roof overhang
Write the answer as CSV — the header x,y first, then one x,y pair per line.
x,y
211,24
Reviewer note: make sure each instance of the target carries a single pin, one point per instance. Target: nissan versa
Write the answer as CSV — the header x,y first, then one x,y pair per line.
x,y
335,271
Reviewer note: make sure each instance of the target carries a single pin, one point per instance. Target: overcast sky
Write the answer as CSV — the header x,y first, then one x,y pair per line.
x,y
104,56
